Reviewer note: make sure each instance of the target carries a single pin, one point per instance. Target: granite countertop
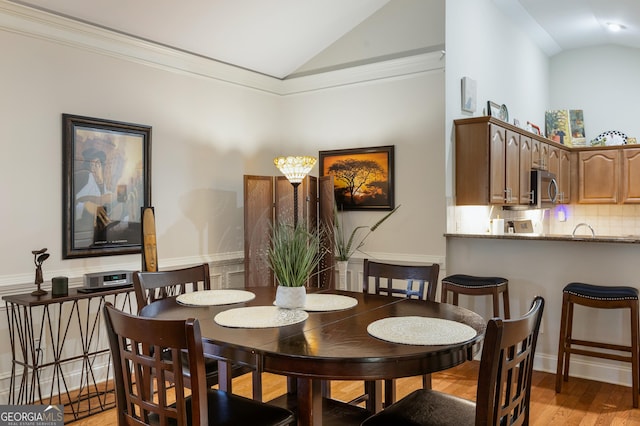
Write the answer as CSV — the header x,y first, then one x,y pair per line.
x,y
628,239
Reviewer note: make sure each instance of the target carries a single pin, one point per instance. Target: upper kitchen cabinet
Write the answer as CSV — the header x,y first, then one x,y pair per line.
x,y
526,156
609,175
482,175
494,160
631,175
598,176
539,155
559,163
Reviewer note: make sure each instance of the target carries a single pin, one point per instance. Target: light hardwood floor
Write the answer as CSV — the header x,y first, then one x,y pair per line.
x,y
582,402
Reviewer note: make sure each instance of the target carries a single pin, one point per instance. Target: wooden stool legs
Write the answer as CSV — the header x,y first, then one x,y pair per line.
x,y
566,341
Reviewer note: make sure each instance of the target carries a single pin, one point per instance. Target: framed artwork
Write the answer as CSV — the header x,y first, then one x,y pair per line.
x,y
576,127
493,109
468,94
106,182
557,126
363,177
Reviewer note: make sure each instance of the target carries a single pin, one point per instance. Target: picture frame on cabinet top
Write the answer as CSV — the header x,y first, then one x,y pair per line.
x,y
493,109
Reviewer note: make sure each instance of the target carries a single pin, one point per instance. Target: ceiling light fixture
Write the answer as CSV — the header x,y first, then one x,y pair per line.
x,y
615,27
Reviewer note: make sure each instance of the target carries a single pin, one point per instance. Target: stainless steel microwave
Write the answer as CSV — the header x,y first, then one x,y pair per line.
x,y
544,189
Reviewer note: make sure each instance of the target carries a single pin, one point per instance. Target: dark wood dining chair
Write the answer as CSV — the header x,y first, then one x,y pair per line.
x,y
504,382
415,277
145,396
419,282
152,286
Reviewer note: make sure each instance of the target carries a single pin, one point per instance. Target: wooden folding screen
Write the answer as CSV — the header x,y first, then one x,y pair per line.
x,y
270,198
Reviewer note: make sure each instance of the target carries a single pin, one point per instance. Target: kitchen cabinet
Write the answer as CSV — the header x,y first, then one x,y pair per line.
x,y
630,179
598,176
504,166
609,175
494,161
526,153
559,163
487,163
511,191
539,155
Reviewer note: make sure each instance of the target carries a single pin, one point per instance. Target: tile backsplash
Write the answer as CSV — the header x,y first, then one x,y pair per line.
x,y
606,220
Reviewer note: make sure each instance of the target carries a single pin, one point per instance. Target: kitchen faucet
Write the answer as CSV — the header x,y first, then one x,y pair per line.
x,y
593,233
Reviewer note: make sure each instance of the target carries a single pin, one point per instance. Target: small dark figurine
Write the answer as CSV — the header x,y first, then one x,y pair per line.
x,y
39,256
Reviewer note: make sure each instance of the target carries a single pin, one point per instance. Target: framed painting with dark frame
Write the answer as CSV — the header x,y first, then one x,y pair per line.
x,y
106,182
363,177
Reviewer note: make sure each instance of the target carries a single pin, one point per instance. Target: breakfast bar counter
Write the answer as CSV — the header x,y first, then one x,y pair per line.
x,y
543,265
625,239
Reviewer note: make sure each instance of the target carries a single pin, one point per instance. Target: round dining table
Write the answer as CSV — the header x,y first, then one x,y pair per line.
x,y
327,345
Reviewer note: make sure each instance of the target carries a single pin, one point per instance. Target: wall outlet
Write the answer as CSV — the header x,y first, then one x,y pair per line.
x,y
562,216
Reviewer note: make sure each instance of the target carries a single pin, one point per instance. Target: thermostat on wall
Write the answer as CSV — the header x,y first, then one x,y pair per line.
x,y
109,279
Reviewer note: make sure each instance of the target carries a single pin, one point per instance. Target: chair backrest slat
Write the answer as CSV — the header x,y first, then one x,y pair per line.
x,y
415,276
152,286
504,380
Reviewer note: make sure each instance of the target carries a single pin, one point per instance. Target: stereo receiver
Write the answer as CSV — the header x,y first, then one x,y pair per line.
x,y
106,280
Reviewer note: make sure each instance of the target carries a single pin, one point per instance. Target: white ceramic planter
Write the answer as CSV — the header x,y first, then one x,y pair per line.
x,y
291,297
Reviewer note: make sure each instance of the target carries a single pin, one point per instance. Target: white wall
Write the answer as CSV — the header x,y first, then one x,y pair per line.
x,y
406,112
206,134
602,81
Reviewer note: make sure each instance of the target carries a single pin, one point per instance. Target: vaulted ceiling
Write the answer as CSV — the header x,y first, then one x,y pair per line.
x,y
278,37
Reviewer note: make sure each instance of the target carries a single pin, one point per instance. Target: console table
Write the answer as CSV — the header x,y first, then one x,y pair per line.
x,y
60,352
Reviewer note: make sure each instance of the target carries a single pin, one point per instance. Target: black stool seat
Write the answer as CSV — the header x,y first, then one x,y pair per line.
x,y
473,285
472,281
600,292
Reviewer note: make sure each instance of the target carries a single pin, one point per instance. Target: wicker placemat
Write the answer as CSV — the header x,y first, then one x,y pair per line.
x,y
414,330
215,297
328,302
260,317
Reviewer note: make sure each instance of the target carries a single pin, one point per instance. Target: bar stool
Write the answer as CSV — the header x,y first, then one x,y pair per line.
x,y
603,297
478,286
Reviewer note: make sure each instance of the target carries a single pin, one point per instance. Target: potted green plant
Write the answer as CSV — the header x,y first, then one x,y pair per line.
x,y
294,256
346,247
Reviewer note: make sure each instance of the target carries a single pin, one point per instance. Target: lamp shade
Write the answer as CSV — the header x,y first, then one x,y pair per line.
x,y
295,168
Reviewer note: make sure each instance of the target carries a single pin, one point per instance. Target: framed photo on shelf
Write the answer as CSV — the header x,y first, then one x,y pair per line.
x,y
107,180
363,177
493,109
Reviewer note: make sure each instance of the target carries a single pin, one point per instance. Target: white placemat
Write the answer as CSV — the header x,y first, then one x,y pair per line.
x,y
260,317
328,302
413,330
215,297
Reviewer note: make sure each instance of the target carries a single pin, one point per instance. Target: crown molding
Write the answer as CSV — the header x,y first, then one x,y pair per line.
x,y
39,24
30,22
389,69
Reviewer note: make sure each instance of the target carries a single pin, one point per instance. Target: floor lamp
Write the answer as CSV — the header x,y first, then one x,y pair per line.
x,y
295,169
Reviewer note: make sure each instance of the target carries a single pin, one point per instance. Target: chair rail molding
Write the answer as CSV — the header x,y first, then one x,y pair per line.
x,y
222,266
